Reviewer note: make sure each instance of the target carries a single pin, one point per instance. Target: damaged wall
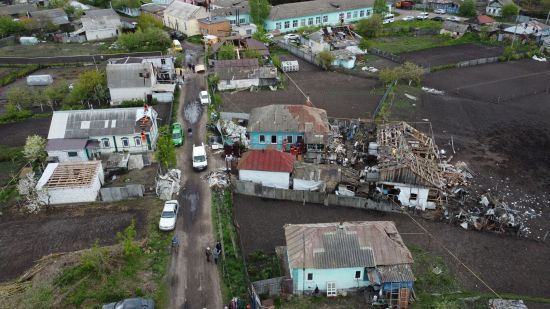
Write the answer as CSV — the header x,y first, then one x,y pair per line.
x,y
279,180
411,196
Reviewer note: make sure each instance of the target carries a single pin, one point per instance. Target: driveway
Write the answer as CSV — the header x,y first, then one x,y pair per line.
x,y
194,283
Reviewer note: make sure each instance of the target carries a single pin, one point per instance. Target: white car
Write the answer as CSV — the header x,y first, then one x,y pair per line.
x,y
199,158
422,16
204,97
169,215
291,37
453,18
440,11
408,18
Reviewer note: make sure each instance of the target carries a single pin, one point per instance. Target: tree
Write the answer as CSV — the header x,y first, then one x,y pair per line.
x,y
91,86
259,11
411,72
149,39
468,8
8,26
380,6
510,10
35,149
388,75
251,53
370,27
365,44
128,240
20,97
57,93
226,52
326,58
118,4
166,151
149,21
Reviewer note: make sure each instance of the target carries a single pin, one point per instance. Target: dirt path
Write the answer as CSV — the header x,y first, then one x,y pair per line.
x,y
194,283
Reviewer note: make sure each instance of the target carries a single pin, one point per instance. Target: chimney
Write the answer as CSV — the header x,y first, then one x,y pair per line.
x,y
308,102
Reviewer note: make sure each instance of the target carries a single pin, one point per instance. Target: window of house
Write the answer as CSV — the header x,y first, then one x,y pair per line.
x,y
295,23
289,139
137,141
310,21
242,21
325,19
262,139
361,13
278,25
318,19
72,154
125,142
309,276
348,15
413,197
355,14
368,13
358,274
287,24
299,139
248,31
341,16
163,61
106,143
273,139
231,21
302,23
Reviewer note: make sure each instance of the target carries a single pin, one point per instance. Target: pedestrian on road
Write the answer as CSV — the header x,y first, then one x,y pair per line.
x,y
216,255
208,254
219,247
193,67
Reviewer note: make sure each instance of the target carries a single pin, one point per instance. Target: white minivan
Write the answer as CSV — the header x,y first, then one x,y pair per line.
x,y
388,18
199,158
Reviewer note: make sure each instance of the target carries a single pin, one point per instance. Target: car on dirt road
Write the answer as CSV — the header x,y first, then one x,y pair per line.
x,y
199,158
131,303
177,134
440,11
204,97
453,18
169,215
437,18
422,16
408,18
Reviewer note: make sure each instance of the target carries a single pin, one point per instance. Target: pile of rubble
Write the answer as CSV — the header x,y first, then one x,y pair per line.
x,y
218,179
232,131
168,184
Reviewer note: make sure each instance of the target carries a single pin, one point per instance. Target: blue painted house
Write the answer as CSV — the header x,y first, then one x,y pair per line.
x,y
335,257
283,126
291,16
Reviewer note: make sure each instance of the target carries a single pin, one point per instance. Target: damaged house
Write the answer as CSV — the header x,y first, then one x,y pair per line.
x,y
335,257
409,168
244,73
299,129
269,167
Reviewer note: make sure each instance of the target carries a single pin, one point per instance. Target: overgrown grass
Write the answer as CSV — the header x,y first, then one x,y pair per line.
x,y
262,266
19,73
403,44
421,24
232,270
196,39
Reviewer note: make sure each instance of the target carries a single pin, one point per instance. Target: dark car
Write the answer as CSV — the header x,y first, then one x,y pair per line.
x,y
438,18
176,35
131,303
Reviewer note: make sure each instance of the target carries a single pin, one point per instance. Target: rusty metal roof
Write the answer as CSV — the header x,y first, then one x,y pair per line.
x,y
269,160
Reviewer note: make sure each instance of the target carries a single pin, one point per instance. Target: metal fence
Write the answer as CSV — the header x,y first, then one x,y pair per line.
x,y
387,55
307,56
271,287
383,99
73,59
469,63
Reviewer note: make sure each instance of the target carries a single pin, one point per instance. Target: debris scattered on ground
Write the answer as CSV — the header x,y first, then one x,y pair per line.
x,y
542,59
218,179
232,131
433,91
410,97
498,303
370,69
168,184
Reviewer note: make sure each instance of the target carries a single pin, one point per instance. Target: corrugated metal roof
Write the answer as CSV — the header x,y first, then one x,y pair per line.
x,y
66,144
304,240
21,9
396,273
316,7
238,73
236,63
341,250
267,160
185,11
100,20
130,74
77,124
57,16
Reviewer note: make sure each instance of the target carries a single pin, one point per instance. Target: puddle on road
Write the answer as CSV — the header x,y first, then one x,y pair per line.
x,y
193,199
192,112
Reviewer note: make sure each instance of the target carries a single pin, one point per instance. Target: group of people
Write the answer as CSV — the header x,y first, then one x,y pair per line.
x,y
214,254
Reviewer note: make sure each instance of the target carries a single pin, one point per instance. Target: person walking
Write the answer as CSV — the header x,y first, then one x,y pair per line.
x,y
175,243
216,255
208,254
219,247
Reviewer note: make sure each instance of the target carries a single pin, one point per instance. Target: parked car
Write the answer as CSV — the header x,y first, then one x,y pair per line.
x,y
292,37
199,158
422,16
452,18
131,303
388,18
169,215
204,97
438,18
408,18
177,134
440,11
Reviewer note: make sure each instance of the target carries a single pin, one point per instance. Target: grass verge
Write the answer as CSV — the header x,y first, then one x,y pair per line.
x,y
404,44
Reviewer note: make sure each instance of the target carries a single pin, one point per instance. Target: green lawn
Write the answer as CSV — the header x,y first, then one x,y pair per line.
x,y
403,44
423,24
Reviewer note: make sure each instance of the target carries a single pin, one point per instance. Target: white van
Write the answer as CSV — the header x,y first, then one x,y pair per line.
x,y
199,157
388,18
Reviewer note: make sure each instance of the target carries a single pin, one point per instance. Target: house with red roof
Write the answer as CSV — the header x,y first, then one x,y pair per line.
x,y
268,167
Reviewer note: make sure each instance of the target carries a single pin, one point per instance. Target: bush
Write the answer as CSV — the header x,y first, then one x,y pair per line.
x,y
136,103
326,58
149,39
468,9
166,151
370,27
21,72
128,240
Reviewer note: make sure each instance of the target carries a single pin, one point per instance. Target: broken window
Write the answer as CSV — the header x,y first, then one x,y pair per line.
x,y
273,139
302,23
413,197
309,276
278,25
348,15
355,14
262,139
358,274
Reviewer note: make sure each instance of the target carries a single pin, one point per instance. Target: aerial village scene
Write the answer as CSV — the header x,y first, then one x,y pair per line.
x,y
235,154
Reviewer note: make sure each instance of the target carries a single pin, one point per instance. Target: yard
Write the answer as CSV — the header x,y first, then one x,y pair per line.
x,y
409,43
488,255
452,54
51,49
342,95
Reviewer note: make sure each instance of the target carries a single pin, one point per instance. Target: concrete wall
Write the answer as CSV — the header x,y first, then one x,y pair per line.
x,y
343,277
269,287
63,156
114,194
318,20
121,94
188,27
238,84
93,35
53,196
268,179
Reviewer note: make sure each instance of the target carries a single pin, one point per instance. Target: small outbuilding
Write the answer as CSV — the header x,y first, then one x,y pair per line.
x,y
455,30
70,182
269,167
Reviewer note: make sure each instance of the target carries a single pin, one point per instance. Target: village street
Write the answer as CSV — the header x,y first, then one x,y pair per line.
x,y
193,282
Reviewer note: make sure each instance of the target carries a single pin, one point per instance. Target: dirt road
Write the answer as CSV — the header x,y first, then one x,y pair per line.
x,y
194,283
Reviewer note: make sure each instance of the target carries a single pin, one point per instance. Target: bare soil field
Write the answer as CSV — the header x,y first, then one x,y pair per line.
x,y
507,264
15,133
343,96
26,238
506,144
452,54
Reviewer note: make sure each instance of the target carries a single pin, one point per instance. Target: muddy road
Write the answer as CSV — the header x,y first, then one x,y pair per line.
x,y
194,283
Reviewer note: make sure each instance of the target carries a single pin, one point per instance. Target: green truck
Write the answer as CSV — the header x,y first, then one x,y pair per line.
x,y
177,134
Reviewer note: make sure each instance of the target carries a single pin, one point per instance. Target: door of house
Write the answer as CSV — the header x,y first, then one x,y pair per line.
x,y
331,289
